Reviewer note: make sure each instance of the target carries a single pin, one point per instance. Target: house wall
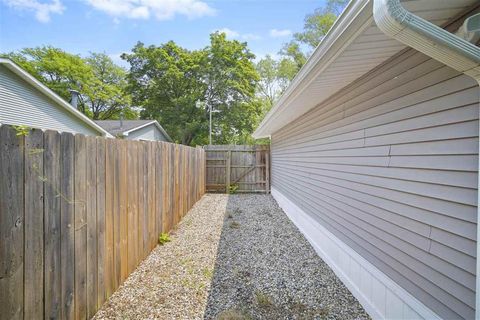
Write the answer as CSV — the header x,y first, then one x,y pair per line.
x,y
149,132
382,179
22,104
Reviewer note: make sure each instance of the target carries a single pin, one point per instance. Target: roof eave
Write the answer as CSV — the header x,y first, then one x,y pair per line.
x,y
159,127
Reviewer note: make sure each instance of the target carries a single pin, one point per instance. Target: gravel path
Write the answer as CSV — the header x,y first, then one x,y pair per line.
x,y
233,257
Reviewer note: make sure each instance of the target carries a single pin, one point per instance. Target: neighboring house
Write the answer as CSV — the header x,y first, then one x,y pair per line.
x,y
135,129
26,101
375,156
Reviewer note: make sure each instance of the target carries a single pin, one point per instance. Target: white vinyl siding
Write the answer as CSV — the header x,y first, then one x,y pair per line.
x,y
22,104
389,165
149,132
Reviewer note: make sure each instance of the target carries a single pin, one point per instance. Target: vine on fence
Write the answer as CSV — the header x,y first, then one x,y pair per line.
x,y
23,131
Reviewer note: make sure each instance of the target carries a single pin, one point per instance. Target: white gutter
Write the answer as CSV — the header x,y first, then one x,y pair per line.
x,y
394,20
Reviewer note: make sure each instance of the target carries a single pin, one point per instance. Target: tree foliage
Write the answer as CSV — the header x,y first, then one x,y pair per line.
x,y
316,26
276,75
105,93
100,82
165,81
177,86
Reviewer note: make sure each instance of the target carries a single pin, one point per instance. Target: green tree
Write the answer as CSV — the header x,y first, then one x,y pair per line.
x,y
316,26
231,78
267,86
105,93
166,82
177,86
99,81
275,77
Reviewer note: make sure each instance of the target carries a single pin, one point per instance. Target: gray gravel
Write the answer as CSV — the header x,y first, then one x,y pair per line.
x,y
234,257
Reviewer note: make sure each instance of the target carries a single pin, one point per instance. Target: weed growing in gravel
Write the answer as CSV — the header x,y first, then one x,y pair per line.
x,y
233,314
323,312
234,225
242,275
164,238
263,300
186,261
232,189
208,273
303,311
194,285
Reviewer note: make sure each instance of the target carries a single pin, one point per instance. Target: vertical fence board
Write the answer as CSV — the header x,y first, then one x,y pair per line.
x,y
101,223
33,291
109,217
80,228
11,224
166,190
176,200
163,190
123,209
151,194
67,222
159,188
51,171
143,194
91,206
171,184
117,215
130,209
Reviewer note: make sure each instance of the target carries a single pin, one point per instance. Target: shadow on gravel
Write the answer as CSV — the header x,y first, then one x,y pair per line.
x,y
266,269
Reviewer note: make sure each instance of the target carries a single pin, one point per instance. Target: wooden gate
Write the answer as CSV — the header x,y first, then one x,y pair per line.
x,y
238,168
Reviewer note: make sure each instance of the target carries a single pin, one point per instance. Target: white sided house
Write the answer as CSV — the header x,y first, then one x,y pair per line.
x,y
148,130
375,155
26,101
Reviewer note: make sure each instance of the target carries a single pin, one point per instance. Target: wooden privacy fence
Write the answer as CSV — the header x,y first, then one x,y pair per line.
x,y
238,168
77,215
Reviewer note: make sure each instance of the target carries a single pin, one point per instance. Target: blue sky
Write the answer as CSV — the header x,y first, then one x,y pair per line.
x,y
114,26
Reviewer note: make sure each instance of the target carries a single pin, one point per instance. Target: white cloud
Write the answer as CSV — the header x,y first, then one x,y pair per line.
x,y
276,33
160,9
262,55
232,34
42,10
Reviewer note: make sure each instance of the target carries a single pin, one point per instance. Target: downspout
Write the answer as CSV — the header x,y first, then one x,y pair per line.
x,y
395,21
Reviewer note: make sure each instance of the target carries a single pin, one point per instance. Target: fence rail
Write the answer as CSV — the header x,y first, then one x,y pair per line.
x,y
77,215
238,168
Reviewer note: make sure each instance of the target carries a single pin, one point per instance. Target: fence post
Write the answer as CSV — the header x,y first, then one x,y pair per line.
x,y
227,171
